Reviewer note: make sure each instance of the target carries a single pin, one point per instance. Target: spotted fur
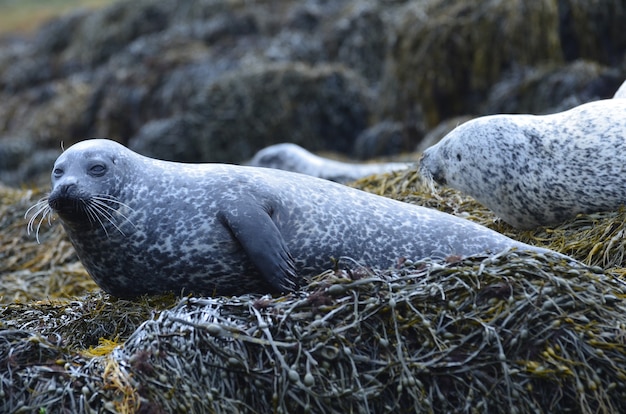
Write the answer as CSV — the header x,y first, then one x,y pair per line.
x,y
225,229
537,170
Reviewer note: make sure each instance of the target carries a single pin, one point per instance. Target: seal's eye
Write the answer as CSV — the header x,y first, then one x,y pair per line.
x,y
97,170
57,172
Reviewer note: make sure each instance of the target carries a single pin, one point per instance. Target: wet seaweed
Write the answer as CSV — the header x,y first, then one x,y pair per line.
x,y
511,333
32,269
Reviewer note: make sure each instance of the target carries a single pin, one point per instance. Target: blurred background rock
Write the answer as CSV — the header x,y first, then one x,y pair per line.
x,y
217,80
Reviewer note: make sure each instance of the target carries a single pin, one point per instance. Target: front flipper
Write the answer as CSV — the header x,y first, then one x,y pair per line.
x,y
254,229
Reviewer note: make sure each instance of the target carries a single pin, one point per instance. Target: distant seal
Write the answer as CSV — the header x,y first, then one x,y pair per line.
x,y
537,170
292,157
141,225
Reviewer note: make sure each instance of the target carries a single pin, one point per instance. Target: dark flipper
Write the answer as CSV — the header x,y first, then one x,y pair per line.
x,y
254,229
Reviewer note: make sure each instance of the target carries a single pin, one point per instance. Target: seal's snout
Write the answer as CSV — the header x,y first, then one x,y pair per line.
x,y
67,189
65,198
430,169
438,177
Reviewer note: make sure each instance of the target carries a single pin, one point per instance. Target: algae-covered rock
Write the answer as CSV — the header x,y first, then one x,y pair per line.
x,y
39,263
111,72
593,30
106,31
384,138
550,89
235,115
359,40
505,333
322,107
448,53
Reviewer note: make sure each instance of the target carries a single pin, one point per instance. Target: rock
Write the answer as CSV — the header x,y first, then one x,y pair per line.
x,y
216,80
448,53
106,31
383,139
57,34
359,40
49,113
172,139
621,92
22,162
322,107
550,89
593,30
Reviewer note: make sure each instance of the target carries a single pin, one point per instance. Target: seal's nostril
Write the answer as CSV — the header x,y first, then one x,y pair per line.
x,y
67,188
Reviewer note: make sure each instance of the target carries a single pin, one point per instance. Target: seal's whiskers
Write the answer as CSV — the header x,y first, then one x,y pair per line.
x,y
102,211
103,206
102,202
93,214
427,178
40,208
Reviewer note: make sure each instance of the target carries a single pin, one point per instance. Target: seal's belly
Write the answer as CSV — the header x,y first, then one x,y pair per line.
x,y
202,262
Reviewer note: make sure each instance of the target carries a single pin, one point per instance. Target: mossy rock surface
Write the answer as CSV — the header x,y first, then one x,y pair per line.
x,y
449,53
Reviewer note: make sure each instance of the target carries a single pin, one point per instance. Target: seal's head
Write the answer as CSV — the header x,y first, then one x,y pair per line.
x,y
443,162
475,156
86,181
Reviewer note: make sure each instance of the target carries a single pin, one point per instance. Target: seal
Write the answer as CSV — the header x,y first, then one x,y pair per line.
x,y
537,170
292,157
145,226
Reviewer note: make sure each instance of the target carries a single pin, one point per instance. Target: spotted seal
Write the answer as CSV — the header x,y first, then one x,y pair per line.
x,y
292,157
141,225
537,170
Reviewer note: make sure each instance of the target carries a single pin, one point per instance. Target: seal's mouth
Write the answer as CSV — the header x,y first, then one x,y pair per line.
x,y
67,202
439,178
430,172
67,206
83,210
434,177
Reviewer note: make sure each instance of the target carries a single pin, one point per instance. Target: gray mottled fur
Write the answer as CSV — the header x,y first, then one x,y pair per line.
x,y
225,229
292,157
537,170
